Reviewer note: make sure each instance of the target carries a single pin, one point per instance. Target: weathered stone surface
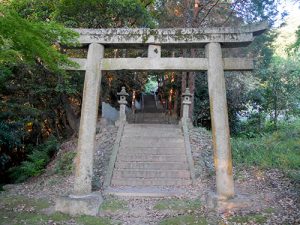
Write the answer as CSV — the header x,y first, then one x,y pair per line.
x,y
88,120
214,201
165,64
123,94
79,205
228,36
154,51
220,124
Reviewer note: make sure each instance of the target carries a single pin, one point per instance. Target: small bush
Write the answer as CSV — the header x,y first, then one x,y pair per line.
x,y
36,161
64,164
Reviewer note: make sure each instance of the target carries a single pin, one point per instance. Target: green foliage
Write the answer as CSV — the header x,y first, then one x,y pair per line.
x,y
64,164
32,42
279,89
295,48
103,13
185,219
257,218
257,10
10,134
37,10
33,214
36,161
112,204
279,149
37,98
178,204
151,85
8,201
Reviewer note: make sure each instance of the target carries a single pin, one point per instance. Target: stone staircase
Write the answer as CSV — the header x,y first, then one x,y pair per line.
x,y
152,113
151,155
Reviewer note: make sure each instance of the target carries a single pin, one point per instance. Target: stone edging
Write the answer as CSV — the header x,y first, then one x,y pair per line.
x,y
188,149
113,157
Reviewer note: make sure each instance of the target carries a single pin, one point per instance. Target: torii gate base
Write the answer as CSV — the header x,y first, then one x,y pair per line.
x,y
84,201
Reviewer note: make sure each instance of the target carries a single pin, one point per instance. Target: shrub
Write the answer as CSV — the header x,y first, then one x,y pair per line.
x,y
64,164
36,161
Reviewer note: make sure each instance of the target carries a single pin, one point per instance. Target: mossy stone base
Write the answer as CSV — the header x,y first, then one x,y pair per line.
x,y
79,205
213,201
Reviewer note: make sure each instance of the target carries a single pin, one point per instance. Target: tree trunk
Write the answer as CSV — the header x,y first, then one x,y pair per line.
x,y
73,120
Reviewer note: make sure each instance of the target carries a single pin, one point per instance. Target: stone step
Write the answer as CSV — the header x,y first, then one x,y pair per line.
x,y
150,133
152,119
151,115
150,126
150,182
149,158
152,165
152,150
136,192
152,142
146,121
119,174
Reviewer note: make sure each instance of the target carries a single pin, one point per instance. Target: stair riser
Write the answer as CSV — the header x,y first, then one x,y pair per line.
x,y
153,142
151,120
150,182
151,126
181,174
155,151
150,115
151,166
138,135
148,145
149,158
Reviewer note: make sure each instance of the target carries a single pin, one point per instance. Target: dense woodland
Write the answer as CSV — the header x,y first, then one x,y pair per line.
x,y
40,102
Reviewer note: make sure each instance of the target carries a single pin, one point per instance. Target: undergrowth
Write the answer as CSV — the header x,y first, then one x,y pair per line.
x,y
64,164
279,149
36,161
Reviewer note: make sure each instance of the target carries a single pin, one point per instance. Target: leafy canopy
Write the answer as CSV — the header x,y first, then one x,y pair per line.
x,y
32,42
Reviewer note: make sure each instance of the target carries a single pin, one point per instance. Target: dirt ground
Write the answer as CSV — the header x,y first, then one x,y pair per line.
x,y
264,196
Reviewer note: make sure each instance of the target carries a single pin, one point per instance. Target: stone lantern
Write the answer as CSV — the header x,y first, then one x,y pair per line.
x,y
123,94
186,105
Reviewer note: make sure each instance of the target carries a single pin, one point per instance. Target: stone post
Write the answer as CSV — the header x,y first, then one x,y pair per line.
x,y
123,94
220,124
88,120
154,51
186,105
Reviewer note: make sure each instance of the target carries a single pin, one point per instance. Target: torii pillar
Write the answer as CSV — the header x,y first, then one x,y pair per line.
x,y
219,120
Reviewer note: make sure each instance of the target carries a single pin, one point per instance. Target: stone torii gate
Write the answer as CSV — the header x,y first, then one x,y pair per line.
x,y
212,39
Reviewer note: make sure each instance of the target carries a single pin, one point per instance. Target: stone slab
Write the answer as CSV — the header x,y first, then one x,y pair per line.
x,y
152,165
122,37
79,205
213,201
165,64
150,182
142,192
114,154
